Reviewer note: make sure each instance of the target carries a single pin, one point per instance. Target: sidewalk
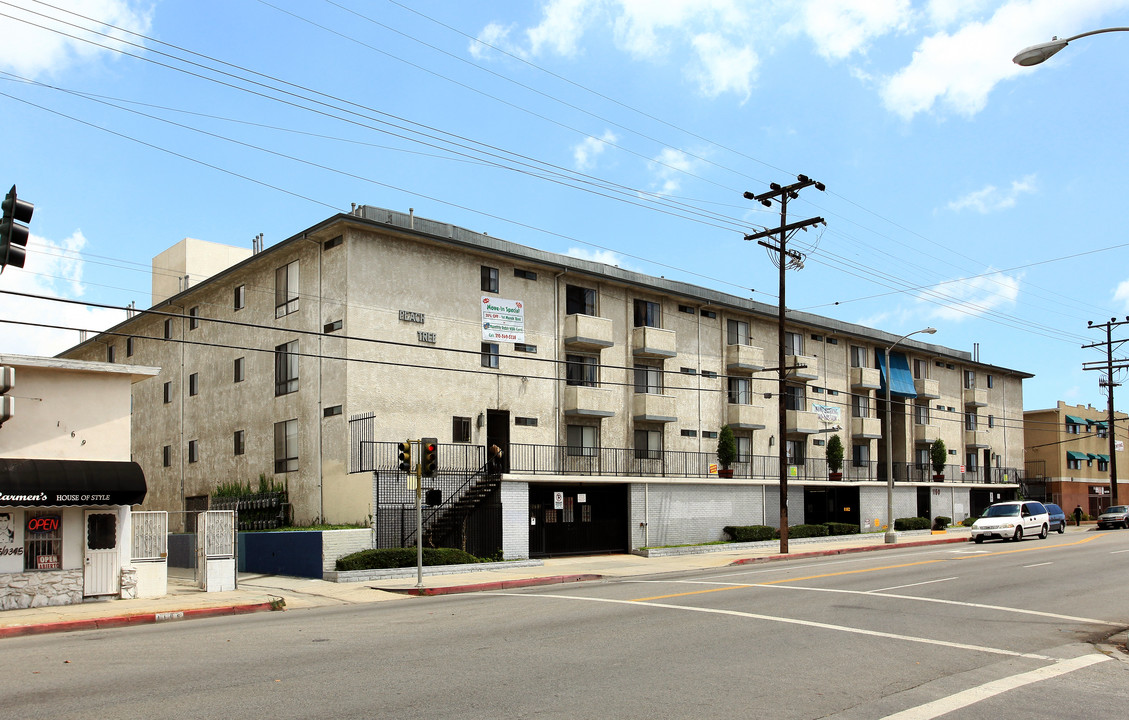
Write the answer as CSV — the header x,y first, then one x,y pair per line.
x,y
257,593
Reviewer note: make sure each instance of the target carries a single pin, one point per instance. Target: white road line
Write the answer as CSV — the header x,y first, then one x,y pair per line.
x,y
974,695
899,587
1118,551
788,621
1038,565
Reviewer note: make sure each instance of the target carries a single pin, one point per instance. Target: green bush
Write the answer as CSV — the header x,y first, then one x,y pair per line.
x,y
403,557
834,528
967,522
941,522
914,523
803,531
749,533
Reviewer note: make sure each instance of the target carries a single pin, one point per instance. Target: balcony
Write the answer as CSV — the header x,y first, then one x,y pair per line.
x,y
744,358
866,378
976,439
748,417
866,428
926,388
809,372
649,407
649,342
925,434
975,397
802,422
585,401
585,332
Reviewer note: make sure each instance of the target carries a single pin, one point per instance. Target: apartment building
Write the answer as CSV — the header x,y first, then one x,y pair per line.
x,y
1068,458
604,388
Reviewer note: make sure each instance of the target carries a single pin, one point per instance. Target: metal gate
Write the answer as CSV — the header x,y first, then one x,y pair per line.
x,y
215,550
577,519
102,570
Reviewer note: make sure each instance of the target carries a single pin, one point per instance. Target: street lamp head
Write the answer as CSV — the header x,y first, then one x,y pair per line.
x,y
929,330
1038,53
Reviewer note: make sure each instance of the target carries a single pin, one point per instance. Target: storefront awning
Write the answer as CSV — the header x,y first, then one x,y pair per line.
x,y
901,378
37,483
1075,455
1073,420
1103,458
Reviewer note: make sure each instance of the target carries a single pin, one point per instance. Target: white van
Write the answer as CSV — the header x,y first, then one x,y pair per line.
x,y
1011,521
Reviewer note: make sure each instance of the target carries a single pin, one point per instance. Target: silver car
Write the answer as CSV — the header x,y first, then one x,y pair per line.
x,y
1011,521
1114,516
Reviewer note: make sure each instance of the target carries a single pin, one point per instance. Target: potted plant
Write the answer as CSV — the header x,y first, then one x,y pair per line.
x,y
939,456
835,457
726,451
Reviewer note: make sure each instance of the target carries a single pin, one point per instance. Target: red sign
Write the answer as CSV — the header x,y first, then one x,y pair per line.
x,y
43,524
46,562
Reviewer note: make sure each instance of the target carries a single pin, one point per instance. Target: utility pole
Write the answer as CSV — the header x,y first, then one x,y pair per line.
x,y
1109,384
787,258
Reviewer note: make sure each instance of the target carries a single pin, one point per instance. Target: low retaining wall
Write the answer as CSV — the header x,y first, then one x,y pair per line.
x,y
40,589
343,576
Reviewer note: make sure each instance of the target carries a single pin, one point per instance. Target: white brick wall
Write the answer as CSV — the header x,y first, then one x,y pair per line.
x,y
337,543
515,520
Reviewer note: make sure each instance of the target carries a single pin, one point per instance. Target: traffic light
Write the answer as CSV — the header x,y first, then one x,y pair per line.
x,y
404,455
429,457
13,230
7,403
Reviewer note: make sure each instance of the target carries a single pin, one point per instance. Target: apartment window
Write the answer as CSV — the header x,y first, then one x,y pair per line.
x,y
922,459
526,421
286,446
794,451
525,274
109,353
709,374
817,390
490,355
737,332
1103,465
460,429
237,370
129,346
286,289
579,300
860,406
44,550
1073,463
921,414
970,463
970,421
238,439
168,392
525,347
286,368
648,379
969,379
1102,431
990,381
332,411
582,370
1073,428
740,391
648,444
166,456
689,433
194,384
333,326
193,317
709,434
193,450
647,314
858,356
991,421
688,371
795,398
793,343
919,367
711,314
860,454
744,448
168,328
581,440
686,309
332,243
489,279
239,299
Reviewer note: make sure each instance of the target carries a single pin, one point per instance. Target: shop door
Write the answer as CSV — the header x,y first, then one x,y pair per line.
x,y
577,519
103,557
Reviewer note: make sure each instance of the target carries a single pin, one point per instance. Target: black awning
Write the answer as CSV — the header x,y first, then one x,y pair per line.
x,y
37,482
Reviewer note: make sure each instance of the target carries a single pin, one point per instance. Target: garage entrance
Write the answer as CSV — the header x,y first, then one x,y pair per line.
x,y
831,504
577,519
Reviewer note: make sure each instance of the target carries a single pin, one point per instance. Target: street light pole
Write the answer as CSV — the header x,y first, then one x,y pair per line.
x,y
891,535
1043,51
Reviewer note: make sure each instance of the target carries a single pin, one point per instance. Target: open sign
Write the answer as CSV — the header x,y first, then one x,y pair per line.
x,y
43,524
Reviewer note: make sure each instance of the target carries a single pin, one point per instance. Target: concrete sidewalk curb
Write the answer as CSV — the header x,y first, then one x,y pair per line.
x,y
845,551
494,585
114,621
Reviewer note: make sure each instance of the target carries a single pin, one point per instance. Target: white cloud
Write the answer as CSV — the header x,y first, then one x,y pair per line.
x,y
967,298
1121,294
942,13
585,152
840,28
724,67
668,169
494,35
32,51
606,257
990,198
561,27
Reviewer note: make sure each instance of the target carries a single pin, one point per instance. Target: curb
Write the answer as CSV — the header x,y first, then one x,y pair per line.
x,y
138,619
845,551
495,585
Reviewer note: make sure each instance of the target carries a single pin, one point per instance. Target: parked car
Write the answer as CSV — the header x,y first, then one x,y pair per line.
x,y
1114,516
1057,518
1011,521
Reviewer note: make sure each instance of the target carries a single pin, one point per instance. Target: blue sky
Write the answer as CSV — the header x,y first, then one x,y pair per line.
x,y
963,191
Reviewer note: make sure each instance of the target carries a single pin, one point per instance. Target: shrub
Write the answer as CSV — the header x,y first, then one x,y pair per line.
x,y
938,456
803,531
967,522
749,533
726,447
834,528
402,557
914,523
834,454
941,522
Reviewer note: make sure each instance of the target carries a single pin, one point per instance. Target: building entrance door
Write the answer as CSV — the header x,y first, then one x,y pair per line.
x,y
102,573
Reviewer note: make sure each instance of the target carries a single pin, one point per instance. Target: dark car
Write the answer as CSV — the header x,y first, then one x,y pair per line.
x,y
1057,517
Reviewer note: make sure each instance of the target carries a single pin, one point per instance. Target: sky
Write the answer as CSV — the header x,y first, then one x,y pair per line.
x,y
962,192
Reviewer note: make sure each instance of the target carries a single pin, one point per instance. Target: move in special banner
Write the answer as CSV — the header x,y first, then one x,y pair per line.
x,y
503,320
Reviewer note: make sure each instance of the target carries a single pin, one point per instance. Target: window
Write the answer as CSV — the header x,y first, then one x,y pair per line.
x,y
793,343
860,455
648,379
648,444
490,355
737,332
193,450
525,347
193,317
1072,428
919,368
1102,431
688,371
647,314
168,328
921,414
686,309
525,274
970,421
794,451
286,446
168,392
237,370
489,279
860,406
817,338
709,434
744,448
239,299
286,368
582,370
1103,465
858,356
689,433
970,464
817,390
990,381
709,374
460,429
581,440
526,421
795,398
332,411
194,384
922,458
238,442
991,421
711,314
44,550
166,456
129,346
332,243
1073,463
579,300
286,289
333,326
740,391
969,379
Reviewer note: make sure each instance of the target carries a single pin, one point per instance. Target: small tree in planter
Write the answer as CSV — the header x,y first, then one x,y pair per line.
x,y
835,457
726,450
939,456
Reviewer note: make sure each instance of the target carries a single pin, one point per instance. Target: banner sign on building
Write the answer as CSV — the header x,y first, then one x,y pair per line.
x,y
503,320
826,413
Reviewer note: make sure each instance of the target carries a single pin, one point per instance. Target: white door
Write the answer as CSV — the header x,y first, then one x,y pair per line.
x,y
103,557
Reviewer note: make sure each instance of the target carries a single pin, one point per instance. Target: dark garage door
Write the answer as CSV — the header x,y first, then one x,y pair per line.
x,y
591,519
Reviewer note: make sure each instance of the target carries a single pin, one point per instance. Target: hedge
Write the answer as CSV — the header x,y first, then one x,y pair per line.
x,y
804,531
403,557
914,523
749,533
834,528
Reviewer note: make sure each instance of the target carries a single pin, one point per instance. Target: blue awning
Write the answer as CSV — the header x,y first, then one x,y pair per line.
x,y
902,379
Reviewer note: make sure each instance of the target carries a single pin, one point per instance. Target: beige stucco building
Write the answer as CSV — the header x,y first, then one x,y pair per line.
x,y
590,377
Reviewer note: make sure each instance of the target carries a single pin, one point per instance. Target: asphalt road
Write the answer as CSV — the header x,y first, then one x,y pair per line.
x,y
1001,630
